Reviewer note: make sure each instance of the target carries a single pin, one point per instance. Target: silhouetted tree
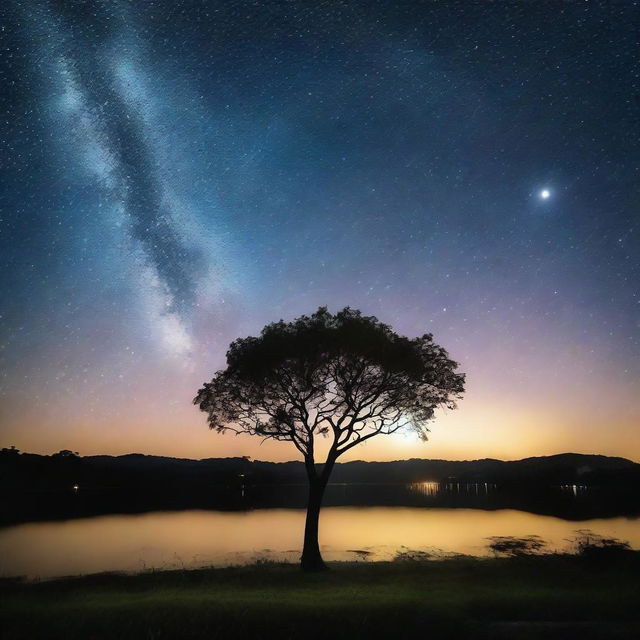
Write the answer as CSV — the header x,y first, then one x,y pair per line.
x,y
10,451
344,376
66,453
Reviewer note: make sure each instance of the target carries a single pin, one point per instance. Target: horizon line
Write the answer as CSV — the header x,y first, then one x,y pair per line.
x,y
250,459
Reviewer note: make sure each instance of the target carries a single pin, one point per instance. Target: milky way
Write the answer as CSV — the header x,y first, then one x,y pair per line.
x,y
177,174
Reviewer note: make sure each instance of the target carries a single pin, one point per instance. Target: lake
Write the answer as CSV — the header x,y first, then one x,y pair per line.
x,y
196,538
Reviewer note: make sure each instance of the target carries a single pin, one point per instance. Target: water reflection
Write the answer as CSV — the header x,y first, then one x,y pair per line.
x,y
431,489
574,489
572,502
201,538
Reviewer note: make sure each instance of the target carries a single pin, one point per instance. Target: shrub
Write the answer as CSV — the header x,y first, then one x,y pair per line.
x,y
592,545
516,547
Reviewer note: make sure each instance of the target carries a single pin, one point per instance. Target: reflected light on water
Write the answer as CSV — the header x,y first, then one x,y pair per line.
x,y
425,488
574,489
439,488
202,538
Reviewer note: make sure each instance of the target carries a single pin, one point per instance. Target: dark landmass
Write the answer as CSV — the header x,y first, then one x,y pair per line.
x,y
555,597
24,471
65,485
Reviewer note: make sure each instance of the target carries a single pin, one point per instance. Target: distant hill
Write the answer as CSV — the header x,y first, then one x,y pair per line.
x,y
558,469
29,472
64,485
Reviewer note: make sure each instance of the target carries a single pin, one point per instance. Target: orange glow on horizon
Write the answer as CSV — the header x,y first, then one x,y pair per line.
x,y
475,430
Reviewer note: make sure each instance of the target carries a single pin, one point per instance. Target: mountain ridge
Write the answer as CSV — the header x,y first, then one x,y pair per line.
x,y
25,471
398,460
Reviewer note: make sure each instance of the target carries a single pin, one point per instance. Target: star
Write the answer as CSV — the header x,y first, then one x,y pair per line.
x,y
545,194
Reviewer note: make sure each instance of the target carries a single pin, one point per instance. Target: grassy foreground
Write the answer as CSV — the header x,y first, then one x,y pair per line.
x,y
548,596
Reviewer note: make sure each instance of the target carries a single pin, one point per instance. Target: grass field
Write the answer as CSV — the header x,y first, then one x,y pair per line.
x,y
545,596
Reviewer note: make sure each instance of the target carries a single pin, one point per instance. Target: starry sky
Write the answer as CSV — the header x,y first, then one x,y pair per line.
x,y
178,173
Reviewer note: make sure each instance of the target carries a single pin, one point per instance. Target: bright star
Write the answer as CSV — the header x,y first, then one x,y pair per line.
x,y
545,193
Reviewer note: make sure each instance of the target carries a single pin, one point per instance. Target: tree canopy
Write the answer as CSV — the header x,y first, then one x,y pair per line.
x,y
345,375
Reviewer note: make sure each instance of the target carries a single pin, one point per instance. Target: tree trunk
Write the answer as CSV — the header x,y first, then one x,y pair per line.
x,y
311,559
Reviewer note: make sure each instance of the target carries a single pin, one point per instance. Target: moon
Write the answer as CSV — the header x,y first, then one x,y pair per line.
x,y
545,193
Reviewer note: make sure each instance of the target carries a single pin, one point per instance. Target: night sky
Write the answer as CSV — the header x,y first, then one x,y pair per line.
x,y
176,174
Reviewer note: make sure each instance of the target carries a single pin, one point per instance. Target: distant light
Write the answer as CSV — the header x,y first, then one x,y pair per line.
x,y
545,193
76,487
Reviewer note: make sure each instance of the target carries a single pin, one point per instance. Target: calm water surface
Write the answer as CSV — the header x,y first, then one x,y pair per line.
x,y
202,538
